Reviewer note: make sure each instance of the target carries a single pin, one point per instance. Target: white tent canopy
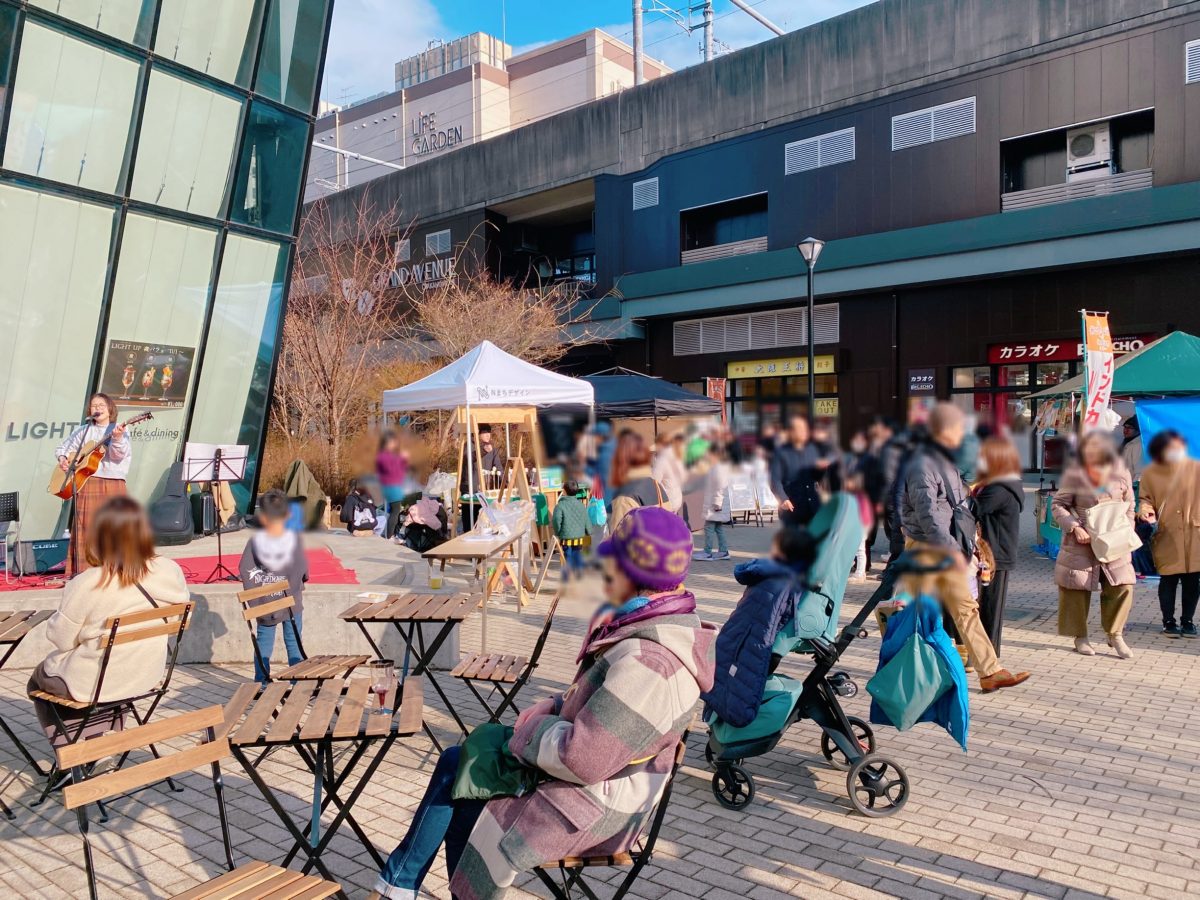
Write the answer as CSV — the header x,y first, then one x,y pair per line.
x,y
487,376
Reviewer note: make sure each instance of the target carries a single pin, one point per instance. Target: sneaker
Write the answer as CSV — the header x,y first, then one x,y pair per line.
x,y
724,554
1188,631
701,554
1173,630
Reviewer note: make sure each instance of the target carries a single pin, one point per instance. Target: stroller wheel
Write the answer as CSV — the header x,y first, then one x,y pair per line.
x,y
877,786
708,755
733,787
862,733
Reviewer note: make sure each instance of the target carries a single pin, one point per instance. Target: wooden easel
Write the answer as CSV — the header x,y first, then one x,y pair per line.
x,y
524,418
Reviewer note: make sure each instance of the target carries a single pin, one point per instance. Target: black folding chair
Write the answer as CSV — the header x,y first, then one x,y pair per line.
x,y
499,670
121,630
10,528
255,879
310,668
572,871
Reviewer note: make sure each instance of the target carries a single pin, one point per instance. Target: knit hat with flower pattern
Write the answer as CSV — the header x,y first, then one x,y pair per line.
x,y
652,546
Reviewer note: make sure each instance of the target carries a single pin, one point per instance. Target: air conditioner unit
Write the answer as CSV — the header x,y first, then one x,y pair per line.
x,y
1089,152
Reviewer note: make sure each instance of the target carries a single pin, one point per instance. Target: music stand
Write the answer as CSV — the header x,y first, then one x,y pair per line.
x,y
206,463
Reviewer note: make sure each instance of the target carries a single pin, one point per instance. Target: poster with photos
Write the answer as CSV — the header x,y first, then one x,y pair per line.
x,y
142,375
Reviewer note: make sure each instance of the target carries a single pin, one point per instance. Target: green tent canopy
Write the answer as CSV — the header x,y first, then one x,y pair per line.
x,y
1166,367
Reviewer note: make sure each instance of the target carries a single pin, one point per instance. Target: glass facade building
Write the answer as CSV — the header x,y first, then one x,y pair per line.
x,y
151,161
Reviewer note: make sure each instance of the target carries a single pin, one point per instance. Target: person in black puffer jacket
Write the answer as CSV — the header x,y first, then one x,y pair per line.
x,y
999,500
744,645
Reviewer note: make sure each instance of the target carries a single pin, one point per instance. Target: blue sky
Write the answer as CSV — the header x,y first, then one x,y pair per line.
x,y
369,36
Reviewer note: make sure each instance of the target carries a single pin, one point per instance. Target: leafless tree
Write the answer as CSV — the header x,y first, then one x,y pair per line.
x,y
340,326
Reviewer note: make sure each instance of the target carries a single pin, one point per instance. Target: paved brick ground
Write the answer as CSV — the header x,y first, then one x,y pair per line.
x,y
1083,783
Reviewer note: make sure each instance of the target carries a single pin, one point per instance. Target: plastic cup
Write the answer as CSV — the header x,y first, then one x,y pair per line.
x,y
435,582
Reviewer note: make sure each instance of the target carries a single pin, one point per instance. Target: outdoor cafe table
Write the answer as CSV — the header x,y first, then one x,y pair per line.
x,y
312,718
14,628
507,552
408,613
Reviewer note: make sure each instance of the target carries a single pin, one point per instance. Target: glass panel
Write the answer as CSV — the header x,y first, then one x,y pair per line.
x,y
1013,376
1053,373
185,153
72,110
154,327
54,253
129,20
291,52
972,377
746,387
215,38
825,384
8,27
231,403
771,387
269,175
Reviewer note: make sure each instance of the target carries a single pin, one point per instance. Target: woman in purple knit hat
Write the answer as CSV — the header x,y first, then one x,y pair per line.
x,y
605,746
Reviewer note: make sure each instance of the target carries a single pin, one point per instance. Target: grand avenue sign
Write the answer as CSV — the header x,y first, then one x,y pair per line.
x,y
428,138
428,273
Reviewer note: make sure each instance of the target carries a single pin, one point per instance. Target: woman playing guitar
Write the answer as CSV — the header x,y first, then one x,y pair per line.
x,y
109,479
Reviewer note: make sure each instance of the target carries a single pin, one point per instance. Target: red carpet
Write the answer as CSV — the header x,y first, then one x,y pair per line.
x,y
323,568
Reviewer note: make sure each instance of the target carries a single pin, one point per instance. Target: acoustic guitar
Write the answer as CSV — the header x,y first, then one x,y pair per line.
x,y
67,484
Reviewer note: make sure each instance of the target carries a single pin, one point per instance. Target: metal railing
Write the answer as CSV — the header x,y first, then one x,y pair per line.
x,y
722,251
1136,180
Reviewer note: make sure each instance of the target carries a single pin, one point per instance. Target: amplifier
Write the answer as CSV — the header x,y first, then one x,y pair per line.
x,y
40,557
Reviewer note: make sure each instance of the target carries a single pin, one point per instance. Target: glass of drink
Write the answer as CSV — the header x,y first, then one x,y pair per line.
x,y
383,681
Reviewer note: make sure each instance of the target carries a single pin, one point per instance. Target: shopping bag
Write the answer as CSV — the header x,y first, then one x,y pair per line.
x,y
597,515
910,683
1112,533
487,768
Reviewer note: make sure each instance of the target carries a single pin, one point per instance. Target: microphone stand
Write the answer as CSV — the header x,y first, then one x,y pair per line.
x,y
221,572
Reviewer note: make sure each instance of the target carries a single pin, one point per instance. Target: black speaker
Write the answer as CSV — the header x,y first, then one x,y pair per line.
x,y
40,557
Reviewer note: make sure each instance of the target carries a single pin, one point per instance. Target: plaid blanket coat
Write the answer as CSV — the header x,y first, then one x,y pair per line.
x,y
608,743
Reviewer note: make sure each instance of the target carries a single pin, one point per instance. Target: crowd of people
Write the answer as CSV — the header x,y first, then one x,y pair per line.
x,y
604,747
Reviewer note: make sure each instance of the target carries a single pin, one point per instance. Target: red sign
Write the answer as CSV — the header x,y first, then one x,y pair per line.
x,y
715,388
1058,350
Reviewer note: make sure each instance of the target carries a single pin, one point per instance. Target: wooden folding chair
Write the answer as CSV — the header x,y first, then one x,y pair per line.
x,y
504,673
121,630
252,881
311,668
572,871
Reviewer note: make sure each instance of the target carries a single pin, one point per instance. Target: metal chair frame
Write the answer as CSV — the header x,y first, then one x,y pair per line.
x,y
572,871
509,697
10,512
119,632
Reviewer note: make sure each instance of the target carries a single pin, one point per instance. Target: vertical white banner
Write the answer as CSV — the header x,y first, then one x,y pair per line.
x,y
1098,362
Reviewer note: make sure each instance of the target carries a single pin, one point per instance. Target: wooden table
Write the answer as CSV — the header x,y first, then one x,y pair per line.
x,y
312,717
479,550
14,628
408,612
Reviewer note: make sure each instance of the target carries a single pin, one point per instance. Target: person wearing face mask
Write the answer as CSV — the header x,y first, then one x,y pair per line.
x,y
1097,475
1169,501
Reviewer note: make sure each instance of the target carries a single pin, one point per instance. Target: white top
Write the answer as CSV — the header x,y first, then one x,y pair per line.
x,y
116,461
75,630
487,376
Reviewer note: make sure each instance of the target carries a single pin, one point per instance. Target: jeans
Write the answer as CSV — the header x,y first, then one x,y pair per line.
x,y
573,554
714,532
1191,596
266,645
438,819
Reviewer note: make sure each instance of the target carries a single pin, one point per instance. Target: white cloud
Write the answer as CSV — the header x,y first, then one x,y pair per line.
x,y
368,37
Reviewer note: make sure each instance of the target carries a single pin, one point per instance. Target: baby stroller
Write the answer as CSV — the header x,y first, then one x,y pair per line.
x,y
876,785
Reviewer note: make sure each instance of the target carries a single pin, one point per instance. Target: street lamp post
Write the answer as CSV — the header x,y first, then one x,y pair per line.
x,y
810,249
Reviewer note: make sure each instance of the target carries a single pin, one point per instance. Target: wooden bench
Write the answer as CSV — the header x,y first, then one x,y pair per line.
x,y
310,668
252,881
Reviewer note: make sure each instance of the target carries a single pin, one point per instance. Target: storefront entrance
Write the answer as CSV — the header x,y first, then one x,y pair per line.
x,y
768,392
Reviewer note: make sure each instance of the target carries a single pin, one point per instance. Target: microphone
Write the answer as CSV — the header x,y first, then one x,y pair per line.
x,y
88,420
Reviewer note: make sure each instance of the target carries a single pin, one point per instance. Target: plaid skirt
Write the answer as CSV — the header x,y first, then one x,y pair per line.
x,y
91,497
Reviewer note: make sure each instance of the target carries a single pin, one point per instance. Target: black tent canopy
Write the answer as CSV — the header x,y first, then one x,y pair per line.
x,y
624,394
